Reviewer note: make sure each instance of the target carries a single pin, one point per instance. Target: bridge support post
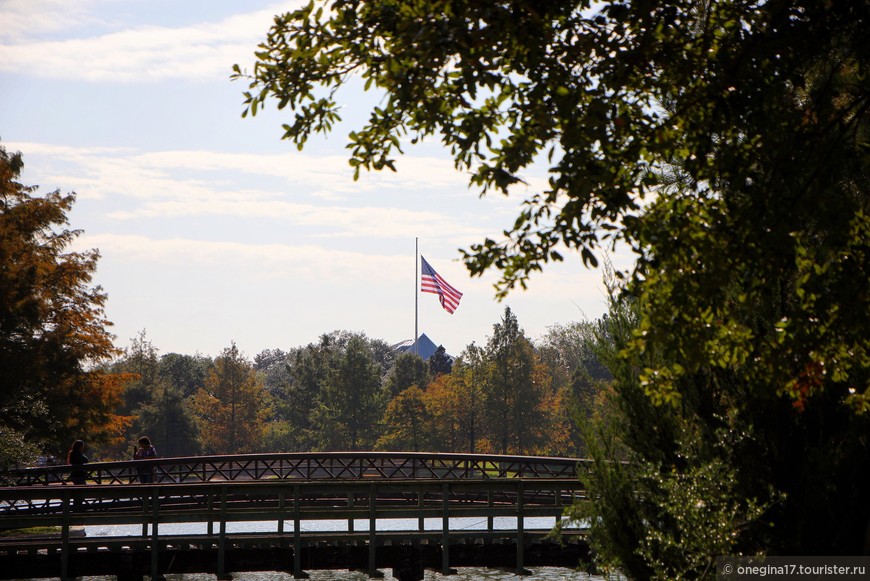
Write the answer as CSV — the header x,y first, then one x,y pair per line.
x,y
127,568
64,535
521,569
155,536
445,530
490,521
421,521
373,534
298,573
222,537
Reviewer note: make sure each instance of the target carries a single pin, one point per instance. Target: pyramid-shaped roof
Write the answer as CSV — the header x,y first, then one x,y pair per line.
x,y
423,346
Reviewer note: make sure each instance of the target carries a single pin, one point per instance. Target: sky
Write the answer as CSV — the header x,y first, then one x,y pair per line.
x,y
211,229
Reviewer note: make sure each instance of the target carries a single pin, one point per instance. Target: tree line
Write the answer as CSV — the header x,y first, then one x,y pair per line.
x,y
347,391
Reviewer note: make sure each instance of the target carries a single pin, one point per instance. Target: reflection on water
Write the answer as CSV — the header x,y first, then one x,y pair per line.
x,y
337,525
463,574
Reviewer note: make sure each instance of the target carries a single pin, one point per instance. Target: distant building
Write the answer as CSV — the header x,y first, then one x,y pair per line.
x,y
425,345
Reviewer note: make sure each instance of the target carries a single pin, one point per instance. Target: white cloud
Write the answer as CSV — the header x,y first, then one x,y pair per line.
x,y
307,191
146,53
159,174
24,19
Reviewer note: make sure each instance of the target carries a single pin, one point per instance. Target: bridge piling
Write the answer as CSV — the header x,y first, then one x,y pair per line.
x,y
222,538
373,539
521,570
64,538
409,566
155,538
298,573
127,570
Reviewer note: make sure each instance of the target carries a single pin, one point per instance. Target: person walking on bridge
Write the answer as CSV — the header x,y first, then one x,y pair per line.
x,y
145,451
76,457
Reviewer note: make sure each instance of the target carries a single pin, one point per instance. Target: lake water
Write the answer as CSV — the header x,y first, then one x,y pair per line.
x,y
463,574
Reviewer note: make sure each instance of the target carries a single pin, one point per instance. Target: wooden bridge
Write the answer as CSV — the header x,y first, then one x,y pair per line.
x,y
291,512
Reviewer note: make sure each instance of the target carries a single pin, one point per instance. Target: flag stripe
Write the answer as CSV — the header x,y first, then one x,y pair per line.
x,y
432,282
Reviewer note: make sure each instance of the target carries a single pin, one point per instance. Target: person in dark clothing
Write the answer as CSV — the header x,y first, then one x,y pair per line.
x,y
76,457
145,451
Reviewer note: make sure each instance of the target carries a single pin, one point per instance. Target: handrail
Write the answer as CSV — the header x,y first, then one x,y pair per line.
x,y
305,466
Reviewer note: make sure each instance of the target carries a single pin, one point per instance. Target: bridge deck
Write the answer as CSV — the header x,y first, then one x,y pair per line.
x,y
405,521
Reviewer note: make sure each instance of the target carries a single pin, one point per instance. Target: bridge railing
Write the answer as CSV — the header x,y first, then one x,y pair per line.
x,y
281,507
305,466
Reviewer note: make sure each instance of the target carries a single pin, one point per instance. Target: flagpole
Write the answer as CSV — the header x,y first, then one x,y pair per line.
x,y
416,293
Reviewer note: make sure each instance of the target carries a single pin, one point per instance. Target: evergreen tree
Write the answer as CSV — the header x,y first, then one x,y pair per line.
x,y
167,419
408,370
349,404
185,373
440,362
512,398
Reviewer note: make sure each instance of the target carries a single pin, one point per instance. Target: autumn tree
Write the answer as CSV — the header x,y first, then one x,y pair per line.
x,y
53,328
577,374
228,408
407,422
444,405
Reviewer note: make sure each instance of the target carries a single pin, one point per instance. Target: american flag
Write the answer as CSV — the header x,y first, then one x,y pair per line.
x,y
433,283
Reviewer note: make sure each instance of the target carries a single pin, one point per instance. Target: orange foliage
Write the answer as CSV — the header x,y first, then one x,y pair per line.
x,y
90,403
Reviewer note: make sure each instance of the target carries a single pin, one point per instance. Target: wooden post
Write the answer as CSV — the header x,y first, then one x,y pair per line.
x,y
421,522
521,570
64,534
145,507
222,538
210,508
297,535
155,549
490,520
445,529
373,525
350,506
281,518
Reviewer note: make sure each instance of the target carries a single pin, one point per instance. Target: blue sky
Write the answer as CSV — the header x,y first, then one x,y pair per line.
x,y
212,229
